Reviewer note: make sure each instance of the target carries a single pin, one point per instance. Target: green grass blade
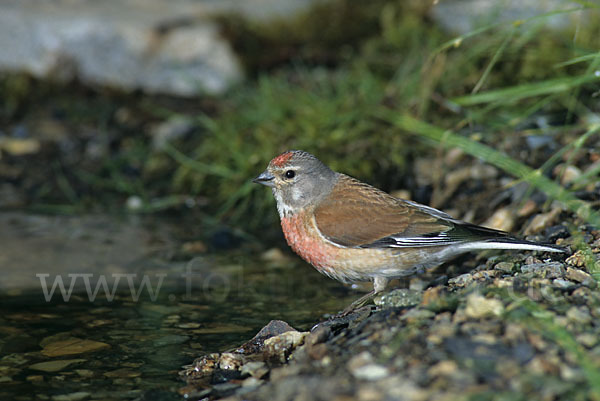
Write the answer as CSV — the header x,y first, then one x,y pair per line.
x,y
519,170
514,93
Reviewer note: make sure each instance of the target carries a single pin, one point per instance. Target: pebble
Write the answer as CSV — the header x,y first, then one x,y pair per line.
x,y
275,256
363,367
370,372
257,369
399,298
134,203
562,284
568,373
580,276
19,147
587,339
189,325
542,220
503,219
123,373
170,339
443,368
479,307
528,208
568,174
194,247
71,346
35,378
462,280
577,259
417,314
252,382
231,361
204,365
454,156
85,373
281,346
579,314
505,267
318,351
54,366
318,335
547,270
78,396
369,393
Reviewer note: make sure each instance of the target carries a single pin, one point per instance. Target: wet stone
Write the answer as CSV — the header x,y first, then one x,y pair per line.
x,y
577,259
256,369
547,270
443,368
224,389
563,284
568,174
190,325
580,276
371,372
417,314
541,221
318,335
280,347
479,307
579,315
123,373
85,373
461,281
72,346
505,267
77,396
251,383
587,339
35,378
273,328
363,367
54,366
170,340
438,299
398,298
231,361
503,219
202,366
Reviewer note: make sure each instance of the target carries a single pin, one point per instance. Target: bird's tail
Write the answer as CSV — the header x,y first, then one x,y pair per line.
x,y
515,243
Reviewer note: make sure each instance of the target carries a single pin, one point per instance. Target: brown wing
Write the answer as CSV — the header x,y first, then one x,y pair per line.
x,y
356,214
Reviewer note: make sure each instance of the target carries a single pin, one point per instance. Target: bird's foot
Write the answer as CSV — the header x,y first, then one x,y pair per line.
x,y
359,303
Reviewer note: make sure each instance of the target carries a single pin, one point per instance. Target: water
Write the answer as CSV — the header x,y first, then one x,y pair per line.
x,y
129,339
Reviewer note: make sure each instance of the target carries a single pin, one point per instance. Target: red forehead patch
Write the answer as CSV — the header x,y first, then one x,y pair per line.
x,y
282,159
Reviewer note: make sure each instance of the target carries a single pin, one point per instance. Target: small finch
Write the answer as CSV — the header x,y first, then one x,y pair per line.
x,y
351,231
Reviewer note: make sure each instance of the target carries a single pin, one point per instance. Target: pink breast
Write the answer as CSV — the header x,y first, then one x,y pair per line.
x,y
307,243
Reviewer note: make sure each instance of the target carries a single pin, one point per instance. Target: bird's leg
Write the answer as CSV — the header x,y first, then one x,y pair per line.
x,y
379,284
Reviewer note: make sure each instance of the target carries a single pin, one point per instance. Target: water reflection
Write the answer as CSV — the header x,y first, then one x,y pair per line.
x,y
121,326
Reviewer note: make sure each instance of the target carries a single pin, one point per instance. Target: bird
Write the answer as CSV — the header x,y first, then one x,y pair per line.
x,y
351,231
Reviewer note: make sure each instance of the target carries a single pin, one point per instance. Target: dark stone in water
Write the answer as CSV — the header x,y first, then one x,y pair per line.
x,y
273,328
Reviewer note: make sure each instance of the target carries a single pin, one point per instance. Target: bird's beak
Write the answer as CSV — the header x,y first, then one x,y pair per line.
x,y
265,178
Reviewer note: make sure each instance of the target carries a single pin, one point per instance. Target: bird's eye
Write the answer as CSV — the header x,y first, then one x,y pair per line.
x,y
290,174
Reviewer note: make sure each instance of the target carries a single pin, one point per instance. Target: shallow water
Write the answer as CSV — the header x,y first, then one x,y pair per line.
x,y
129,338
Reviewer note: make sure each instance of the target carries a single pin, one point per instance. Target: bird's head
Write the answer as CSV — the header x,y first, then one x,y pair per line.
x,y
298,179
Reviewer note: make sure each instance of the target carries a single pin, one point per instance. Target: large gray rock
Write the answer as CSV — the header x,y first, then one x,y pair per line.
x,y
159,46
462,16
